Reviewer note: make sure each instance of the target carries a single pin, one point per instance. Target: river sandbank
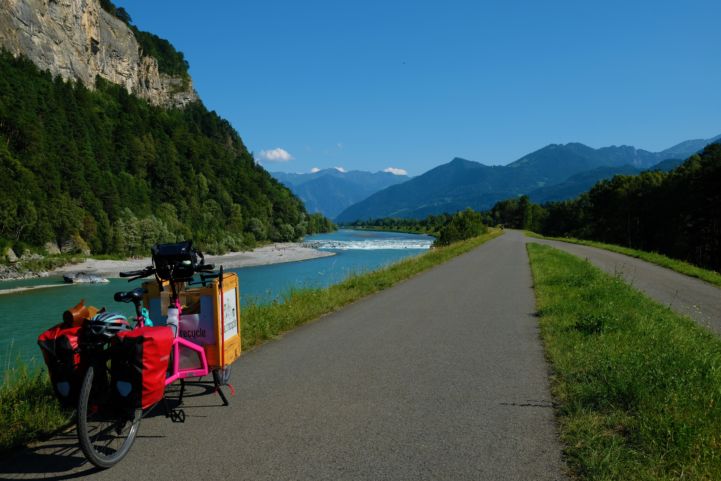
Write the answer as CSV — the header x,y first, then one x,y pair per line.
x,y
269,254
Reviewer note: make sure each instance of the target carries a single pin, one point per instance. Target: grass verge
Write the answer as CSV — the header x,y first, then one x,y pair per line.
x,y
638,387
265,321
712,277
28,409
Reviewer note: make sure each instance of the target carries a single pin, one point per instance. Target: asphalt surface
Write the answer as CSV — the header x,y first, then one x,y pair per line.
x,y
441,377
685,295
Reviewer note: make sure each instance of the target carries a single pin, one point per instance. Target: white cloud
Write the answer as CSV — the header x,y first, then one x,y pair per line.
x,y
341,169
314,170
275,155
396,171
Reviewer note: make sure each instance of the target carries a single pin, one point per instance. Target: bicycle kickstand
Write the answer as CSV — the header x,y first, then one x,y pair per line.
x,y
218,387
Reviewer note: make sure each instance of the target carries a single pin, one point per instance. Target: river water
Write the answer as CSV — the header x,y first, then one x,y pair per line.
x,y
24,315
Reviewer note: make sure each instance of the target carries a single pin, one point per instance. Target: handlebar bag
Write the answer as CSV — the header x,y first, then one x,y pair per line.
x,y
139,362
59,346
175,261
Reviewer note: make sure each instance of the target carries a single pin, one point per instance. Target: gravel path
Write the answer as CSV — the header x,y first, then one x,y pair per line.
x,y
686,295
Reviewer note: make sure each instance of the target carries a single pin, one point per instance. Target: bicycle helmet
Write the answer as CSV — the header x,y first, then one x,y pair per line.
x,y
108,324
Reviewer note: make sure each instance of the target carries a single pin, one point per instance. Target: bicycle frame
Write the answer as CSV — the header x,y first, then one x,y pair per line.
x,y
96,399
178,372
175,371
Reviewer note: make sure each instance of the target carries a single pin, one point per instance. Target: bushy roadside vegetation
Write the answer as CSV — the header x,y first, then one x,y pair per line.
x,y
447,228
638,387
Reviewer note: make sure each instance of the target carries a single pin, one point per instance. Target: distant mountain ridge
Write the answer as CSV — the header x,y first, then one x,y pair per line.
x,y
579,183
463,183
330,191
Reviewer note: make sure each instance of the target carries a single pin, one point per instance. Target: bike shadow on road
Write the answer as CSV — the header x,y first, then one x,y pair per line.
x,y
56,459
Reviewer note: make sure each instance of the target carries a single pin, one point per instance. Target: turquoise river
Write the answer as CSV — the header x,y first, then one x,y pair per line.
x,y
24,315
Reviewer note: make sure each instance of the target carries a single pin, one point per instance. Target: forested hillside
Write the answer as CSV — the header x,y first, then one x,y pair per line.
x,y
112,173
676,213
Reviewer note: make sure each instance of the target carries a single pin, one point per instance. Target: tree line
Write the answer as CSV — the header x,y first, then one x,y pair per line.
x,y
447,228
675,213
115,174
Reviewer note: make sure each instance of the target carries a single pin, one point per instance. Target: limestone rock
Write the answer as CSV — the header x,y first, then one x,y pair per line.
x,y
52,248
75,245
10,255
78,40
84,278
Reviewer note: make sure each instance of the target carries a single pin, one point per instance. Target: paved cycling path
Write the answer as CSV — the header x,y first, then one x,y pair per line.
x,y
441,377
686,295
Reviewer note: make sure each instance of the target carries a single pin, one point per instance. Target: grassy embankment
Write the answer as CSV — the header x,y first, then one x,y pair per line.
x,y
682,267
638,387
28,410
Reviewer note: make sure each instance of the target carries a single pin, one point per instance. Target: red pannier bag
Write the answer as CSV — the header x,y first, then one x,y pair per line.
x,y
59,346
139,363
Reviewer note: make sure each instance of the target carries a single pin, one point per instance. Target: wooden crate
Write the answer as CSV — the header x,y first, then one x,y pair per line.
x,y
211,316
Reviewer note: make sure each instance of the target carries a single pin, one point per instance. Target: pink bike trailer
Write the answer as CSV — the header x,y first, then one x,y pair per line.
x,y
139,365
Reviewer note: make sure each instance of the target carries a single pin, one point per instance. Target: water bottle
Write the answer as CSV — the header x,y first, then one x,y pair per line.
x,y
173,319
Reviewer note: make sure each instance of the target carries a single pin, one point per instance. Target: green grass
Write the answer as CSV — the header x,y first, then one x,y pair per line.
x,y
28,408
265,321
638,387
712,277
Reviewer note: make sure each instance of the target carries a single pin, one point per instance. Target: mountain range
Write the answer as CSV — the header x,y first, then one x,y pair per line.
x,y
330,191
554,172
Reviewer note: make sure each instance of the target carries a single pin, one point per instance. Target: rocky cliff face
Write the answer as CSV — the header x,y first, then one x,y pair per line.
x,y
78,40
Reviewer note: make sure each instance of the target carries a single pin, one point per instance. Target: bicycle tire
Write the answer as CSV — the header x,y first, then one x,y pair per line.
x,y
104,431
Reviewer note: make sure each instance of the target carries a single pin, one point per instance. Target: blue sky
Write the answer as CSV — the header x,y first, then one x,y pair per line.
x,y
370,84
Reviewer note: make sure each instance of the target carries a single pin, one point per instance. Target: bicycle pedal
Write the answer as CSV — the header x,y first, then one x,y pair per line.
x,y
177,416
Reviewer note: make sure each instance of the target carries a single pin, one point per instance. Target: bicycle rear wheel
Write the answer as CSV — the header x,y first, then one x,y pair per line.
x,y
105,431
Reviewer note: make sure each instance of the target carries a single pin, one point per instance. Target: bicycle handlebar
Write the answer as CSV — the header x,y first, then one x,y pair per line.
x,y
148,271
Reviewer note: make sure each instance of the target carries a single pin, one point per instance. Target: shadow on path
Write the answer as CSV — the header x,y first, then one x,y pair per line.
x,y
59,458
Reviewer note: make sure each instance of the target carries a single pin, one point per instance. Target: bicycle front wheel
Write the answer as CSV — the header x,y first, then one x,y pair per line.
x,y
105,431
